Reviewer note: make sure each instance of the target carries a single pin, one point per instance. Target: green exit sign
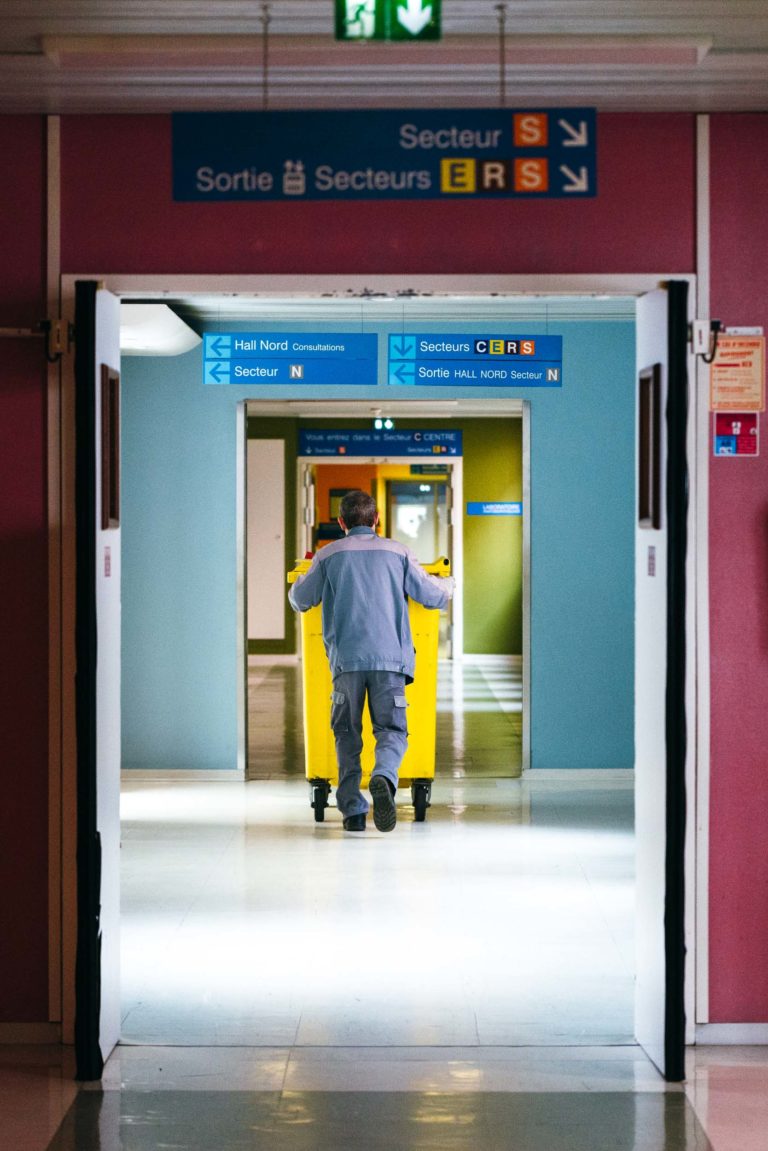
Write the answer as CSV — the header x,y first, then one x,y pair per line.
x,y
388,19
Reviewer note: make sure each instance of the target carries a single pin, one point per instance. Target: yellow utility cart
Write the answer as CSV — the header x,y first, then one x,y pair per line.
x,y
418,767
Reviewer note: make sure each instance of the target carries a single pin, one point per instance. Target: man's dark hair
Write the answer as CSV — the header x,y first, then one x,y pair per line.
x,y
358,509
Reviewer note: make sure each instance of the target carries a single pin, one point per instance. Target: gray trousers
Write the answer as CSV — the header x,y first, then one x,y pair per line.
x,y
386,705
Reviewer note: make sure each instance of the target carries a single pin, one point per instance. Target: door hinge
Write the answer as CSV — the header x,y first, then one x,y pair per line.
x,y
59,338
59,335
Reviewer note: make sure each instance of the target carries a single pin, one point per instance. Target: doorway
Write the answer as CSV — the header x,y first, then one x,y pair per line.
x,y
477,778
486,626
416,499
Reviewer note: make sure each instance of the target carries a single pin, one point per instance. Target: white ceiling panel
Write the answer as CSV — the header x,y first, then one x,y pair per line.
x,y
137,55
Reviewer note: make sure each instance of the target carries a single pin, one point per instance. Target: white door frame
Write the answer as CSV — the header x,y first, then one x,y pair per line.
x,y
171,286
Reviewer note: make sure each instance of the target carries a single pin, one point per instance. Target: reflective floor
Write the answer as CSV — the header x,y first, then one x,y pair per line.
x,y
504,918
382,1121
460,983
479,719
521,1099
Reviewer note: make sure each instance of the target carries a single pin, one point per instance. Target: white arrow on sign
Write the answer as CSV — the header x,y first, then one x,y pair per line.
x,y
575,137
578,183
414,17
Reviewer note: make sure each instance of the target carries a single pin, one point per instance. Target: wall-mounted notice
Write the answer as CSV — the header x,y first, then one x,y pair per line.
x,y
500,508
294,358
737,376
362,442
736,434
485,361
370,154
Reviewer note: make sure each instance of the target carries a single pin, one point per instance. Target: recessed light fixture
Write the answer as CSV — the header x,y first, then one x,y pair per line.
x,y
154,330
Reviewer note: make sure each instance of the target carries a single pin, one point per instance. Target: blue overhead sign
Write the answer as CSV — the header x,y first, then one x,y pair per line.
x,y
495,361
362,442
294,358
477,154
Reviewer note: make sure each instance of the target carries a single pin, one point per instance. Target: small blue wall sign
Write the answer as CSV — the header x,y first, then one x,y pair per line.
x,y
500,508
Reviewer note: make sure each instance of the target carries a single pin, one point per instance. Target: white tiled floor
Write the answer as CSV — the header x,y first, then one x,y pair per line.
x,y
504,919
461,1069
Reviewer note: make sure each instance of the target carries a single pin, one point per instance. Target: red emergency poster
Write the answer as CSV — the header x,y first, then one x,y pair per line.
x,y
736,434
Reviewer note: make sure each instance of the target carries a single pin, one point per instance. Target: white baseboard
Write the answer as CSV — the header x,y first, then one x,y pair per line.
x,y
33,1034
732,1034
170,775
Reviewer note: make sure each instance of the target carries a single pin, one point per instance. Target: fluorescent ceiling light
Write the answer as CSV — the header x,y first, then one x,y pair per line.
x,y
154,330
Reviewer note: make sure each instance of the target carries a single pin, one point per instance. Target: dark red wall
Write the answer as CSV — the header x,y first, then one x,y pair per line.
x,y
23,583
739,601
120,217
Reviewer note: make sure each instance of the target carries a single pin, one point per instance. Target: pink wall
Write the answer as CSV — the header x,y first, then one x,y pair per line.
x,y
739,601
23,585
119,215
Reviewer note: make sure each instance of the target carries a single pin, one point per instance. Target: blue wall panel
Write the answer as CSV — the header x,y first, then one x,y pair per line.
x,y
582,556
178,522
179,643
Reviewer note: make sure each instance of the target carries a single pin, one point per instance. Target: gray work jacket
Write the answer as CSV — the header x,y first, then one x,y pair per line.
x,y
364,582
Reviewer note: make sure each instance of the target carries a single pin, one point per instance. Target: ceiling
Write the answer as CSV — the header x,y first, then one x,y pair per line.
x,y
150,328
86,56
205,313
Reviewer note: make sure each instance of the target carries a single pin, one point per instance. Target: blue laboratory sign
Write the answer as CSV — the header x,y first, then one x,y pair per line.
x,y
388,154
362,442
503,508
486,361
294,358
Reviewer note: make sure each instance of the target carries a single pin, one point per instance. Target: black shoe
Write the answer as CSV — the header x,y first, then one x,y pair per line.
x,y
384,808
355,822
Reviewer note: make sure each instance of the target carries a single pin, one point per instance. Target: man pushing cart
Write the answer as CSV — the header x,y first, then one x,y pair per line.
x,y
368,589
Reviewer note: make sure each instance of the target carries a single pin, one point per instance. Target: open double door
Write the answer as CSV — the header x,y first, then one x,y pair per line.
x,y
660,687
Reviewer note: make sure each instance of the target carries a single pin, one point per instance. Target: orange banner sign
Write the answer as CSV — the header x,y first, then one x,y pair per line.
x,y
737,379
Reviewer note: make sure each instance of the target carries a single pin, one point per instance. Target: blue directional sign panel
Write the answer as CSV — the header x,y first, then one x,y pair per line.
x,y
389,154
504,508
482,361
295,358
362,442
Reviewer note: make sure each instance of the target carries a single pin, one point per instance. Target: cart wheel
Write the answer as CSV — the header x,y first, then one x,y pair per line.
x,y
319,792
420,801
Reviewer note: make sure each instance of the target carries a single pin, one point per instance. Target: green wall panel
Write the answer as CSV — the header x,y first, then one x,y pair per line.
x,y
493,545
